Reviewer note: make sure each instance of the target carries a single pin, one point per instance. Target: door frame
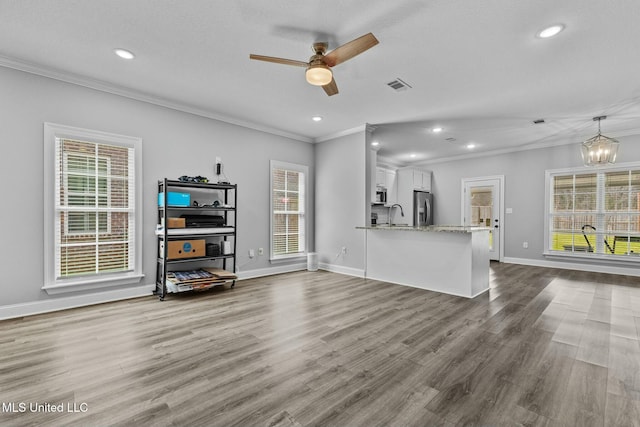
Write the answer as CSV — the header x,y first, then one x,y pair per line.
x,y
500,212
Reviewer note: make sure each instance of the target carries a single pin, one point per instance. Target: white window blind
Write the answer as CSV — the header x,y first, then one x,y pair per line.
x,y
288,193
595,212
95,206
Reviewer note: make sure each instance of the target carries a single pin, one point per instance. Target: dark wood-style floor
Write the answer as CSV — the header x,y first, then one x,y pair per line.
x,y
543,347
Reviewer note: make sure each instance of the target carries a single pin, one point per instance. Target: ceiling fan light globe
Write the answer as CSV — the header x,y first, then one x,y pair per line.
x,y
319,75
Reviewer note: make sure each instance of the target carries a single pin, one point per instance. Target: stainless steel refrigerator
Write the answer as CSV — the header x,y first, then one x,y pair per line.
x,y
422,208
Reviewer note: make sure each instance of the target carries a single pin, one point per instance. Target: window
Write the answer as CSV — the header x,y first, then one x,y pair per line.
x,y
85,186
288,195
594,213
92,202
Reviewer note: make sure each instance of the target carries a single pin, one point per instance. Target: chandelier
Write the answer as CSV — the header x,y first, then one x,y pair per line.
x,y
600,149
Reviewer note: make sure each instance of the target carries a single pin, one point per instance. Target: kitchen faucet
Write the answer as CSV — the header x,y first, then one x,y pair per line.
x,y
390,209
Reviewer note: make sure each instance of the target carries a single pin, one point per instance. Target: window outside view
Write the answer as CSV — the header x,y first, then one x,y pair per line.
x,y
596,212
288,212
482,209
94,209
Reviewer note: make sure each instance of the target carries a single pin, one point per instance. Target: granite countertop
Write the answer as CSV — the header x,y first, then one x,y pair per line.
x,y
427,228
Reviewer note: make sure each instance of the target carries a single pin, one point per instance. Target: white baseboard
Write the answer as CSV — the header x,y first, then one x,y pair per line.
x,y
56,304
261,272
64,303
455,294
349,271
594,268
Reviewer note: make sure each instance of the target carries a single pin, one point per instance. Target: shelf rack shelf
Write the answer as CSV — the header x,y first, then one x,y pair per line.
x,y
227,197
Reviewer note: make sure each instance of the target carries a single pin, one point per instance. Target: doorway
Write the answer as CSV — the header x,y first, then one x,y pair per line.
x,y
482,201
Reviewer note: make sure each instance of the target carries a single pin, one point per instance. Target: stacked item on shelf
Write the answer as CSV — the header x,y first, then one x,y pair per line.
x,y
203,278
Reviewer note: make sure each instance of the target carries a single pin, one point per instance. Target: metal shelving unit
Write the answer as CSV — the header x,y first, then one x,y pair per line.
x,y
228,197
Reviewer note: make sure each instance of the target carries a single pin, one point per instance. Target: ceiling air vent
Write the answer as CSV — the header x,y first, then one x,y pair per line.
x,y
399,85
538,121
450,139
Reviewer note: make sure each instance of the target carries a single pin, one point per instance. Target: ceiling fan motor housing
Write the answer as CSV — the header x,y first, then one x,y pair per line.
x,y
320,48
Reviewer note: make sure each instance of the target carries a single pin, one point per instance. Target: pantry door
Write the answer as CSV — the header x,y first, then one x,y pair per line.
x,y
482,206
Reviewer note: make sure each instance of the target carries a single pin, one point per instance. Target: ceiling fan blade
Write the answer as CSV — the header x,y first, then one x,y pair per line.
x,y
279,60
350,49
331,88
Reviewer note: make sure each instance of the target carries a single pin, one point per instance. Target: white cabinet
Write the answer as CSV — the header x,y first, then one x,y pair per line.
x,y
391,185
408,180
421,180
414,179
426,181
386,180
372,172
417,179
381,179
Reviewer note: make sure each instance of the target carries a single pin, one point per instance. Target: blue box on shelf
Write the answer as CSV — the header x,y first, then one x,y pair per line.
x,y
175,199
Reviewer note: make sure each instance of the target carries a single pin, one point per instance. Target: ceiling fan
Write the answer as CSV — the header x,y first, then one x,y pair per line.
x,y
319,66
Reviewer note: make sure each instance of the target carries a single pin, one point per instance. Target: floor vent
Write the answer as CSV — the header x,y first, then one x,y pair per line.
x,y
399,85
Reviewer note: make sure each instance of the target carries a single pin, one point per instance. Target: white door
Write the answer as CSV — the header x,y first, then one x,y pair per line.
x,y
482,206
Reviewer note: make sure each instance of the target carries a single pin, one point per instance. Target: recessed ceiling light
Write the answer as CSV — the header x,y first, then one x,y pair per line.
x,y
436,129
124,54
412,155
316,118
551,31
471,146
375,143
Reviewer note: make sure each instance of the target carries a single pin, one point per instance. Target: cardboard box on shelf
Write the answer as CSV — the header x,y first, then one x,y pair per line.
x,y
178,249
176,223
220,273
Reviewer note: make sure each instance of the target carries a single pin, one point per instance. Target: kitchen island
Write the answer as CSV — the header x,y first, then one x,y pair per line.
x,y
448,259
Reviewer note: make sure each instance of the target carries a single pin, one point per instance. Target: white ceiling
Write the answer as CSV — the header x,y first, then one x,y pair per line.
x,y
476,67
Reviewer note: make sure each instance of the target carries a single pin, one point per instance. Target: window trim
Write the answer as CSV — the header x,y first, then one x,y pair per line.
x,y
51,284
547,252
276,164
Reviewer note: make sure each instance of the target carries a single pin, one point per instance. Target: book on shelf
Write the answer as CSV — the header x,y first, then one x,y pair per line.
x,y
203,275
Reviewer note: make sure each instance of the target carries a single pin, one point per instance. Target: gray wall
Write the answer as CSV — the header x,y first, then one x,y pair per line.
x,y
341,202
177,143
524,173
174,144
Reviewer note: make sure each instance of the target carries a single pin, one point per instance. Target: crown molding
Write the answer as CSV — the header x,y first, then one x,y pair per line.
x,y
526,147
341,133
114,89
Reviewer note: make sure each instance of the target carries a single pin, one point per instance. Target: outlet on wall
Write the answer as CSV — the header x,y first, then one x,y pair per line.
x,y
525,245
252,253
